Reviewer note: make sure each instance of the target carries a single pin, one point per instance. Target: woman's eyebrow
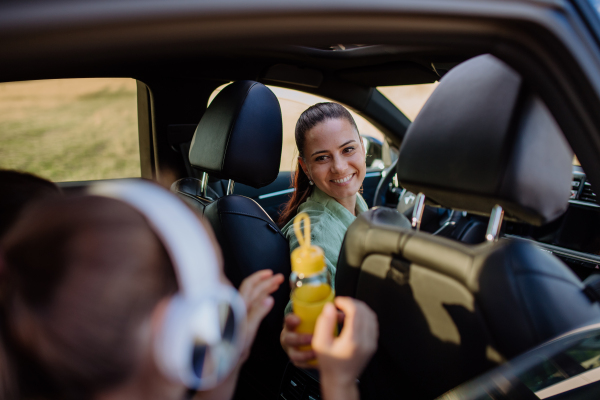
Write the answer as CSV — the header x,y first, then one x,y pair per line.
x,y
325,151
318,152
348,142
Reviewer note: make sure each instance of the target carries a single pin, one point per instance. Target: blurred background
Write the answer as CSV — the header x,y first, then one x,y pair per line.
x,y
86,129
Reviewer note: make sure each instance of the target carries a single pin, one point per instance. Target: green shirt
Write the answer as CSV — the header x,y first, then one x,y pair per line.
x,y
329,221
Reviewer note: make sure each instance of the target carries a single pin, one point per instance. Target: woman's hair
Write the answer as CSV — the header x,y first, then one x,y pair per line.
x,y
81,277
310,118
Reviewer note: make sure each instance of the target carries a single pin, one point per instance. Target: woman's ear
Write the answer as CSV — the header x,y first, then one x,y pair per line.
x,y
362,143
302,165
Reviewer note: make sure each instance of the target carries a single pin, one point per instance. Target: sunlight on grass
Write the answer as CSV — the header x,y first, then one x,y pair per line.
x,y
70,130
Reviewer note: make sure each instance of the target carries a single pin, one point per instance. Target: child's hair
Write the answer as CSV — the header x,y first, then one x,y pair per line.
x,y
18,190
80,278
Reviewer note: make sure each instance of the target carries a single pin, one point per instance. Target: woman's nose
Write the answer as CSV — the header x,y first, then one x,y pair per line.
x,y
339,165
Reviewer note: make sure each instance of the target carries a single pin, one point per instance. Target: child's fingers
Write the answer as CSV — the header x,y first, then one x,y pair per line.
x,y
262,288
251,281
323,336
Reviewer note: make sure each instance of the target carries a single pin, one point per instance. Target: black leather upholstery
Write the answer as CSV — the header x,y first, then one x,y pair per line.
x,y
251,241
448,310
239,138
495,143
240,135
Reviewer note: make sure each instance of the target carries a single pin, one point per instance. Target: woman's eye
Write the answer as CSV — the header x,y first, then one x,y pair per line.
x,y
321,158
349,149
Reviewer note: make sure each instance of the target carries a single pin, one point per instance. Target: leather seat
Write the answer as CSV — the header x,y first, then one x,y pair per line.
x,y
239,138
447,310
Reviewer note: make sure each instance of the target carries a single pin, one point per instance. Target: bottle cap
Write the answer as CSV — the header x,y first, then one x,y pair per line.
x,y
306,259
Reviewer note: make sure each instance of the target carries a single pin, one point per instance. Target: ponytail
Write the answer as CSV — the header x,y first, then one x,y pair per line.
x,y
302,190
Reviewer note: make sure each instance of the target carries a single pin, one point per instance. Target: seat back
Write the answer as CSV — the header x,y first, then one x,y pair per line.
x,y
448,310
239,138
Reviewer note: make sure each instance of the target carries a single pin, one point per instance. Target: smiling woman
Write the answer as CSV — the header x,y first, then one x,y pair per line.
x,y
330,172
70,129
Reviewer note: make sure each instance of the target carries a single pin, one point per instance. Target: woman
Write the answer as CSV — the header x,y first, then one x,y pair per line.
x,y
91,283
330,172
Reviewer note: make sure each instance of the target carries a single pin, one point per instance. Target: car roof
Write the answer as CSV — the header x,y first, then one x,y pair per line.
x,y
551,43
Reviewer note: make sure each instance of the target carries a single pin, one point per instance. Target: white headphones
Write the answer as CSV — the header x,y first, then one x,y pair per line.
x,y
204,329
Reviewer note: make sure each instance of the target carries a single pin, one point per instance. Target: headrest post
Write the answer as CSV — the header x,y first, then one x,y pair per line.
x,y
230,187
493,229
418,211
204,185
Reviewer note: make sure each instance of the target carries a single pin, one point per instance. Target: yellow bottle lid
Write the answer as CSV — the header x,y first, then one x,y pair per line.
x,y
306,259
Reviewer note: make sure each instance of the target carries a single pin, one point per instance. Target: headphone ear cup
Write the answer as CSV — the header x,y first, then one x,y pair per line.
x,y
201,338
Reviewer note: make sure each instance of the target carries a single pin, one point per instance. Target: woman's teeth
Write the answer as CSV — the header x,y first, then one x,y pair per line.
x,y
346,179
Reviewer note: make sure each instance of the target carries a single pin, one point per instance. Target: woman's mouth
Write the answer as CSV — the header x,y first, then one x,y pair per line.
x,y
342,180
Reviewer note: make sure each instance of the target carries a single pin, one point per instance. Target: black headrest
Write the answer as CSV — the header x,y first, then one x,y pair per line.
x,y
240,135
483,138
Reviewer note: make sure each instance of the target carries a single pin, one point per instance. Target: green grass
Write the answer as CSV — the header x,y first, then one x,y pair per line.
x,y
80,129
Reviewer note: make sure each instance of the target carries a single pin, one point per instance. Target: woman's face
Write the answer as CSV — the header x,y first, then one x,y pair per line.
x,y
334,158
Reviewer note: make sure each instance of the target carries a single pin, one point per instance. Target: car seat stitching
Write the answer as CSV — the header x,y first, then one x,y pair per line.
x,y
244,213
269,222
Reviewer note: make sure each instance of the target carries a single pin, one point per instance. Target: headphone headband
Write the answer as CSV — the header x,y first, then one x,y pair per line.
x,y
189,247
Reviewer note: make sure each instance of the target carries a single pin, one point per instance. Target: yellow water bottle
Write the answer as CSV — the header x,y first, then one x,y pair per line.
x,y
310,280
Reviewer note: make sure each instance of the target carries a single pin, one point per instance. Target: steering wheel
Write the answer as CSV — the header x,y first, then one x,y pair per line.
x,y
406,199
387,176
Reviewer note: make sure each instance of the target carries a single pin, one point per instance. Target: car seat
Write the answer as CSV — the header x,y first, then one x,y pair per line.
x,y
239,138
447,310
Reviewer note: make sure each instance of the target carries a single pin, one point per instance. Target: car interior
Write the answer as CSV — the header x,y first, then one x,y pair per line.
x,y
452,301
468,307
465,321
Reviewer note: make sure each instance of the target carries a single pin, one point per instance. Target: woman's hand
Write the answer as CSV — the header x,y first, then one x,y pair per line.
x,y
290,341
342,359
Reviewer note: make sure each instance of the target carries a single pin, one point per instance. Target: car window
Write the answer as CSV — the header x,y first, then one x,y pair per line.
x,y
409,98
70,129
561,365
293,103
572,368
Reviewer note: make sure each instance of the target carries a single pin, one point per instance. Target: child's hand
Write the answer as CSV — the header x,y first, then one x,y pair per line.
x,y
255,291
342,359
